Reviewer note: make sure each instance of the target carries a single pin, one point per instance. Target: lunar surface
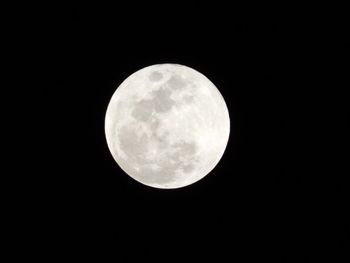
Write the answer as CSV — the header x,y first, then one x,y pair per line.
x,y
167,126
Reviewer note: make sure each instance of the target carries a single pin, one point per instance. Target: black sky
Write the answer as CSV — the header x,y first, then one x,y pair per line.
x,y
263,201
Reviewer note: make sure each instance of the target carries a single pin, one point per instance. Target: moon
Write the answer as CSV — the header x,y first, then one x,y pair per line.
x,y
167,126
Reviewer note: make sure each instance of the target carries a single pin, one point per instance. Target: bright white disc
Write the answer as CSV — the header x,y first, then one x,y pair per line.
x,y
167,126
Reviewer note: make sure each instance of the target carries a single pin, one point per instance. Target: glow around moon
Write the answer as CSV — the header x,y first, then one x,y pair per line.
x,y
167,126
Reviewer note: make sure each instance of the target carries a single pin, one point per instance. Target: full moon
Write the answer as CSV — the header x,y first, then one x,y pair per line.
x,y
167,126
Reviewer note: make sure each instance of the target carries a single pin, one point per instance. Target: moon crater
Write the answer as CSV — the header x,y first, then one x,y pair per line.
x,y
155,76
176,82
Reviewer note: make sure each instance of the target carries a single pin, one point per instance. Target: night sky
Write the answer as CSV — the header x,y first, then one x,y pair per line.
x,y
266,200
